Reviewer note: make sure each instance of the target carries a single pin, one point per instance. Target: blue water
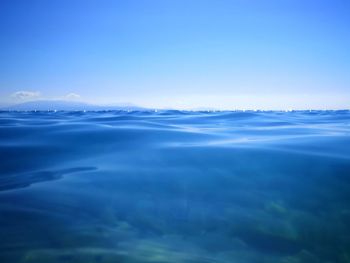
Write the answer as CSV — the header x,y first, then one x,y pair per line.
x,y
171,186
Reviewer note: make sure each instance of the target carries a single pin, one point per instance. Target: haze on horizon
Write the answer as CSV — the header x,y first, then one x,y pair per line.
x,y
226,54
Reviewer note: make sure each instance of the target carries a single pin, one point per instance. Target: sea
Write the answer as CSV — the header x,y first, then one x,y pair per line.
x,y
175,186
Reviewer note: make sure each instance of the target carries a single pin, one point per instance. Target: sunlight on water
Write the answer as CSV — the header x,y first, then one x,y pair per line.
x,y
172,186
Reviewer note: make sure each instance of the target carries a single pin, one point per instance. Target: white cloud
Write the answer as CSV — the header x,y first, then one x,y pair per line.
x,y
72,96
25,95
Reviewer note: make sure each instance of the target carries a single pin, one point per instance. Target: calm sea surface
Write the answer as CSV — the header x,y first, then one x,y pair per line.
x,y
172,186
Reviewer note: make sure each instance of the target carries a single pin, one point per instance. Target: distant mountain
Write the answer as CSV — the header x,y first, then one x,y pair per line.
x,y
61,105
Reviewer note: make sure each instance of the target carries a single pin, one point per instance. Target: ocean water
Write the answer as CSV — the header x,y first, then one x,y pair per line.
x,y
173,186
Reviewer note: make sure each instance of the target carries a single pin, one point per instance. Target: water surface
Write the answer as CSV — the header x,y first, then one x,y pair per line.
x,y
174,186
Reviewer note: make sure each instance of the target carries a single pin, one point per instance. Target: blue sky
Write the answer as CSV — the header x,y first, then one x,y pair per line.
x,y
226,54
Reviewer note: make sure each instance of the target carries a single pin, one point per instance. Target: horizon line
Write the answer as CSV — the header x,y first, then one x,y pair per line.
x,y
130,106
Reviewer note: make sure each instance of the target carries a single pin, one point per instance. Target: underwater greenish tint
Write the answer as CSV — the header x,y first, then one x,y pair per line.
x,y
174,186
